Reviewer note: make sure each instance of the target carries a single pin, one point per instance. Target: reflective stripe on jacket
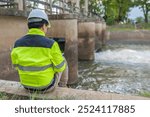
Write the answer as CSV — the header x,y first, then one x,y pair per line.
x,y
37,59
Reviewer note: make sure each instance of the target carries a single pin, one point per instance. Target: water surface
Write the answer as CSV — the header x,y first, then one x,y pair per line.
x,y
121,68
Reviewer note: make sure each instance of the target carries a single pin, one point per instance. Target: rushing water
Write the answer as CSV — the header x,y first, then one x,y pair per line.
x,y
123,68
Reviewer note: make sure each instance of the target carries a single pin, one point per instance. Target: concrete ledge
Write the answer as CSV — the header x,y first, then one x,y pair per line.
x,y
62,16
130,35
12,12
13,87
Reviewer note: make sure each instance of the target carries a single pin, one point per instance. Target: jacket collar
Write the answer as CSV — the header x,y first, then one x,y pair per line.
x,y
35,31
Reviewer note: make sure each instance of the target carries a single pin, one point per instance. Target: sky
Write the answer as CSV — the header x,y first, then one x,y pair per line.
x,y
135,12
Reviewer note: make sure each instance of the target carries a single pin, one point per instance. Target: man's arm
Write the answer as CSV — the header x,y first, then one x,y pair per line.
x,y
57,58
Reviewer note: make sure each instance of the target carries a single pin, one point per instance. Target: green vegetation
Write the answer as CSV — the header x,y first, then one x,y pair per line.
x,y
145,94
33,96
6,96
129,27
144,5
116,11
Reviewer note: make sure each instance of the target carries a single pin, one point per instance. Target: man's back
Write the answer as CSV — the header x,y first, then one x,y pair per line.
x,y
37,59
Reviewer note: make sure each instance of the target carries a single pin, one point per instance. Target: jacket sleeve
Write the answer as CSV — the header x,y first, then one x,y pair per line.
x,y
57,58
14,58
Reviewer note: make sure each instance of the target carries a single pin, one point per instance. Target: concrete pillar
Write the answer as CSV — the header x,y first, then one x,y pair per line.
x,y
78,5
20,4
86,40
103,33
86,7
71,51
60,5
98,35
49,7
65,12
12,29
77,2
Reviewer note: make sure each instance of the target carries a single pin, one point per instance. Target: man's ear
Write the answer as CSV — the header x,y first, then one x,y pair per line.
x,y
42,28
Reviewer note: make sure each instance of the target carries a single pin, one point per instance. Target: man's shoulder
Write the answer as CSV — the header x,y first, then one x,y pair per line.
x,y
34,41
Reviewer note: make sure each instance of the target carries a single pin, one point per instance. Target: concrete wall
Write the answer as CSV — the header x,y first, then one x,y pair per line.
x,y
11,28
20,4
135,34
86,40
98,35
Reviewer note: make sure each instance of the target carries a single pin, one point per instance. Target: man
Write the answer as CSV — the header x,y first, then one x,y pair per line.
x,y
39,61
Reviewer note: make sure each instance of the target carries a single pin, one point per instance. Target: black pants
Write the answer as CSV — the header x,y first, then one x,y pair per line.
x,y
41,90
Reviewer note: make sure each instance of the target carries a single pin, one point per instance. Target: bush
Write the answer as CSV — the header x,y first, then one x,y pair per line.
x,y
110,21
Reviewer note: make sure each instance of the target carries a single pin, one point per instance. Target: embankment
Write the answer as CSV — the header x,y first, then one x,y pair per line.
x,y
135,37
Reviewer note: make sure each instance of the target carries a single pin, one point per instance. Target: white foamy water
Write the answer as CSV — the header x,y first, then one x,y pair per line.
x,y
125,56
121,69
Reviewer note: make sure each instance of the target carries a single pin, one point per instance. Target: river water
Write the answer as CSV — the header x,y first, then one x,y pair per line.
x,y
121,68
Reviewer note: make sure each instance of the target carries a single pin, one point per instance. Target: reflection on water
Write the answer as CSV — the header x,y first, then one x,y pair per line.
x,y
120,69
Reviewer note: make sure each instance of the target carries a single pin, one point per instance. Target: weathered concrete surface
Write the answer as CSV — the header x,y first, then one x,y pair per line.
x,y
129,37
12,87
100,35
6,70
86,40
13,12
86,48
104,33
86,29
12,28
126,35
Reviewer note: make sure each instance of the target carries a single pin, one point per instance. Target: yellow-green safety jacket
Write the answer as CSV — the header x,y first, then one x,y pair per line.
x,y
37,59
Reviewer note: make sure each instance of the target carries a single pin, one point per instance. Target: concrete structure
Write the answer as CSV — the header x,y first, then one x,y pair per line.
x,y
130,35
86,7
11,29
104,33
15,88
98,35
86,40
21,4
50,6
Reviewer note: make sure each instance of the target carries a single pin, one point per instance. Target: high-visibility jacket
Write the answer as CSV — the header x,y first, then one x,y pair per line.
x,y
37,59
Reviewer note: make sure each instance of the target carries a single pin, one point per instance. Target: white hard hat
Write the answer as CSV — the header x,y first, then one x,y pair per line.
x,y
38,15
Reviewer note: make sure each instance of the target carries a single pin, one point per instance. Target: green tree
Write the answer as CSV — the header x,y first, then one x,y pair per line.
x,y
145,6
139,20
116,10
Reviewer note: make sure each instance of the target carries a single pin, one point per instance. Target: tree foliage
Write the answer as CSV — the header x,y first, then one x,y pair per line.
x,y
116,10
145,6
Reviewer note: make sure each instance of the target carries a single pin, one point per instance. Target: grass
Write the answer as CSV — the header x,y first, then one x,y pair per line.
x,y
128,27
33,96
6,96
145,94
